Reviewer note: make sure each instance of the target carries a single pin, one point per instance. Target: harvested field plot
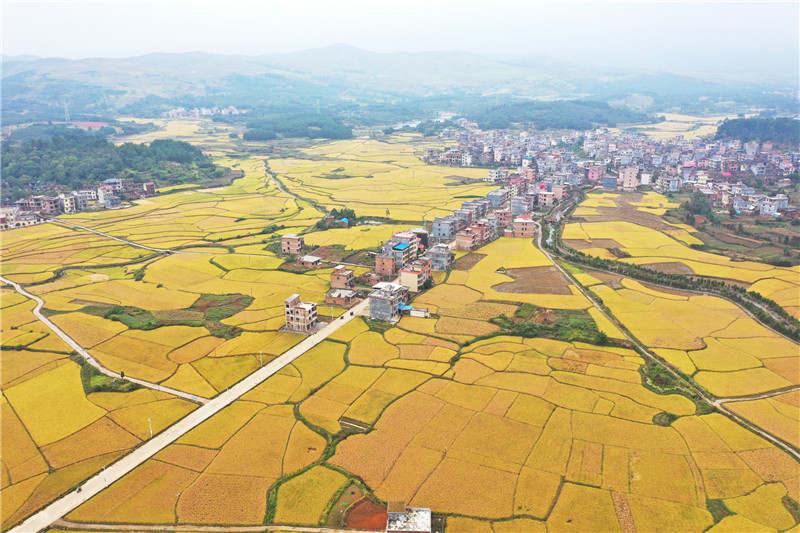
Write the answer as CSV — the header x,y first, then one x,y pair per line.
x,y
541,280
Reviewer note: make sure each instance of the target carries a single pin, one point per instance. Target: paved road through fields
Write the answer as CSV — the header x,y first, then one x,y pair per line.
x,y
37,312
101,480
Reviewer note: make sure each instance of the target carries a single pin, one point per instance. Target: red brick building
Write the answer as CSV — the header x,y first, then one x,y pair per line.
x,y
524,226
291,243
385,265
342,278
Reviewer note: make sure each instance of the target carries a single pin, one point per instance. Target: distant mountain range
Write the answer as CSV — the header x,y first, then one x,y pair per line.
x,y
36,88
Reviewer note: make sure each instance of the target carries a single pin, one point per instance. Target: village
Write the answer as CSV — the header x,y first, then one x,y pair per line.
x,y
404,264
745,177
110,195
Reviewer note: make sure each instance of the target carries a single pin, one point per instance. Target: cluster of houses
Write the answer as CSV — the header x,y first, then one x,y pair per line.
x,y
197,112
554,160
405,262
108,195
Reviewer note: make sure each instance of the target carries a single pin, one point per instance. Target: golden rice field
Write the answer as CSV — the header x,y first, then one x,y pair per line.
x,y
687,126
378,179
648,246
54,435
706,337
500,432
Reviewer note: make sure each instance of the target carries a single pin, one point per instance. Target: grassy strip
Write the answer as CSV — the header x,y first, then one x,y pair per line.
x,y
95,381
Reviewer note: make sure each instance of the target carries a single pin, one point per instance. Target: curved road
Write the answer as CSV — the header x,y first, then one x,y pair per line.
x,y
37,312
716,402
145,451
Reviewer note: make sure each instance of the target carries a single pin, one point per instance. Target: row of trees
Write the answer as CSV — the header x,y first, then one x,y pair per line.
x,y
764,309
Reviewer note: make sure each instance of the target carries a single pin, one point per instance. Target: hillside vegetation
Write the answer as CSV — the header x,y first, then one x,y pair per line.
x,y
77,160
780,130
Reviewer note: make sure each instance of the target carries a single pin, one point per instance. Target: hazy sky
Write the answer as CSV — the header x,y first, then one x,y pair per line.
x,y
674,36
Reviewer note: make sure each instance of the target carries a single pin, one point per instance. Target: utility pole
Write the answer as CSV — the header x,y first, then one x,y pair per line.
x,y
260,359
150,423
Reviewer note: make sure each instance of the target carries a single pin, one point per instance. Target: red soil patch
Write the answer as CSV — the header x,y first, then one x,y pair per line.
x,y
367,514
331,253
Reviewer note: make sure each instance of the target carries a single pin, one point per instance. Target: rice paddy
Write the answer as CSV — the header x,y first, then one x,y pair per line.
x,y
506,410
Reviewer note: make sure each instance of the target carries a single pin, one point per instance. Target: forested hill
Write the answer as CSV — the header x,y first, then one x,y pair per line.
x,y
80,160
574,114
779,130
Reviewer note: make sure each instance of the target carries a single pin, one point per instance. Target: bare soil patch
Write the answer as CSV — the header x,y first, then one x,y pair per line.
x,y
178,315
671,267
331,252
468,261
612,280
536,280
616,252
730,238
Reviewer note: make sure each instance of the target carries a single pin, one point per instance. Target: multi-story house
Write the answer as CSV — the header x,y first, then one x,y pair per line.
x,y
411,239
385,264
385,301
300,316
441,257
524,226
629,177
504,217
342,278
414,275
463,217
520,205
68,203
444,228
292,243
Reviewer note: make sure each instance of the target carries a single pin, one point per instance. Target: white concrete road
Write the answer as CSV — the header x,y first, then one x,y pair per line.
x,y
37,312
98,482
